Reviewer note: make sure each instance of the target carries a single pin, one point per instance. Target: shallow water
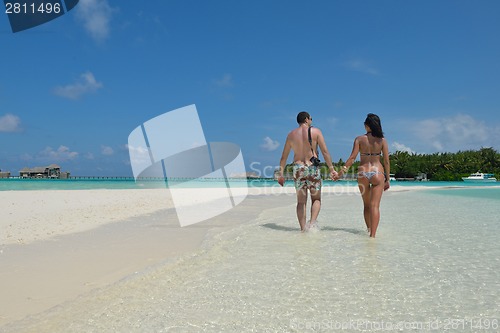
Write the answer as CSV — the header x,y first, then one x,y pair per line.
x,y
19,184
434,266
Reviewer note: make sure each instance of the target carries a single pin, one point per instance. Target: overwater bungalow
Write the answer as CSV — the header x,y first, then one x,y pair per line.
x,y
52,171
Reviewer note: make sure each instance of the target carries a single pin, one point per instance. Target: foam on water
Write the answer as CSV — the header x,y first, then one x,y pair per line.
x,y
435,259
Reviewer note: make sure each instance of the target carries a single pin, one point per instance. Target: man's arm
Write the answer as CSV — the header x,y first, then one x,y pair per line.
x,y
284,157
326,154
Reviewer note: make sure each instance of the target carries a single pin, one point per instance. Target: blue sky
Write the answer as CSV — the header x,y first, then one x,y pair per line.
x,y
73,89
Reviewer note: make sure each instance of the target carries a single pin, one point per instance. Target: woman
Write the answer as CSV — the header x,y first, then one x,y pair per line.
x,y
373,177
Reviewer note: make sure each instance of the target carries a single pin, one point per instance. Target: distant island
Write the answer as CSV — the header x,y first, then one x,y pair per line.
x,y
445,166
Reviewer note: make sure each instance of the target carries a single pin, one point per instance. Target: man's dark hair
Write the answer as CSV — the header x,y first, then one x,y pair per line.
x,y
302,116
373,122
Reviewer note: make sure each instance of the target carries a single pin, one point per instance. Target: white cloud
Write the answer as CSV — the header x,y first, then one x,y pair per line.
x,y
272,103
460,132
225,81
139,155
332,120
10,123
62,154
362,66
401,147
95,16
139,149
89,156
124,147
269,144
106,150
86,84
26,157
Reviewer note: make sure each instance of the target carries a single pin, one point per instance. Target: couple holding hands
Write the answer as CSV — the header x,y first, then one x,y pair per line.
x,y
373,176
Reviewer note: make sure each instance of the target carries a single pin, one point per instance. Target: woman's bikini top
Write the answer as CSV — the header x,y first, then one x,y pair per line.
x,y
370,154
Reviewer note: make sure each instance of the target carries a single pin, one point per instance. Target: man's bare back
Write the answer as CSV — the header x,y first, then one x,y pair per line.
x,y
297,140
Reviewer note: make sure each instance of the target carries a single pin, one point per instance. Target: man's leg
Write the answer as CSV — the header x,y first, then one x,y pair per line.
x,y
301,208
315,205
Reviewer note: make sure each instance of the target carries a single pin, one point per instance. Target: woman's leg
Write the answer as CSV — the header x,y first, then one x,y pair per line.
x,y
376,196
365,190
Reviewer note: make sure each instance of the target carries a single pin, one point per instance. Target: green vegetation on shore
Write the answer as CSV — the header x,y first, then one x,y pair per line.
x,y
445,166
437,166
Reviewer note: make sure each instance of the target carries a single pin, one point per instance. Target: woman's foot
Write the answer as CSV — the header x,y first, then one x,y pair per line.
x,y
313,225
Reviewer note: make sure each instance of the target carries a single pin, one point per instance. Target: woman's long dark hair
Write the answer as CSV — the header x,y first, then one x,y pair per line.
x,y
373,122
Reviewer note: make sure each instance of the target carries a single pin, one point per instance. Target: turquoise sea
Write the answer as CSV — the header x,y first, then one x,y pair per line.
x,y
129,183
434,267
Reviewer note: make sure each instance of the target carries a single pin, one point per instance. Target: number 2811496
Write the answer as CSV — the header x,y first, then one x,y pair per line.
x,y
31,8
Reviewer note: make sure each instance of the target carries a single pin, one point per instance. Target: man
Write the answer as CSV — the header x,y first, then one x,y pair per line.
x,y
306,175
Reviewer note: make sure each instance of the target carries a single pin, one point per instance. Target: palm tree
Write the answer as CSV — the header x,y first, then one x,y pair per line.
x,y
399,163
489,158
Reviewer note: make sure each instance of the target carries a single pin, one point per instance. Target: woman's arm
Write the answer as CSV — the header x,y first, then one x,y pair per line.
x,y
350,160
387,164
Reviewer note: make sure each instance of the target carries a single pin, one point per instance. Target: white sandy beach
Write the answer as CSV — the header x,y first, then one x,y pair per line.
x,y
28,216
57,245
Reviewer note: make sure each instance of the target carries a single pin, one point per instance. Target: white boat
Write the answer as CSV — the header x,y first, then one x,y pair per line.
x,y
480,177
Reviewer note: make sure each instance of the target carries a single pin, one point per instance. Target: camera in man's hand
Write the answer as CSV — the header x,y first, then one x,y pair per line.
x,y
315,161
